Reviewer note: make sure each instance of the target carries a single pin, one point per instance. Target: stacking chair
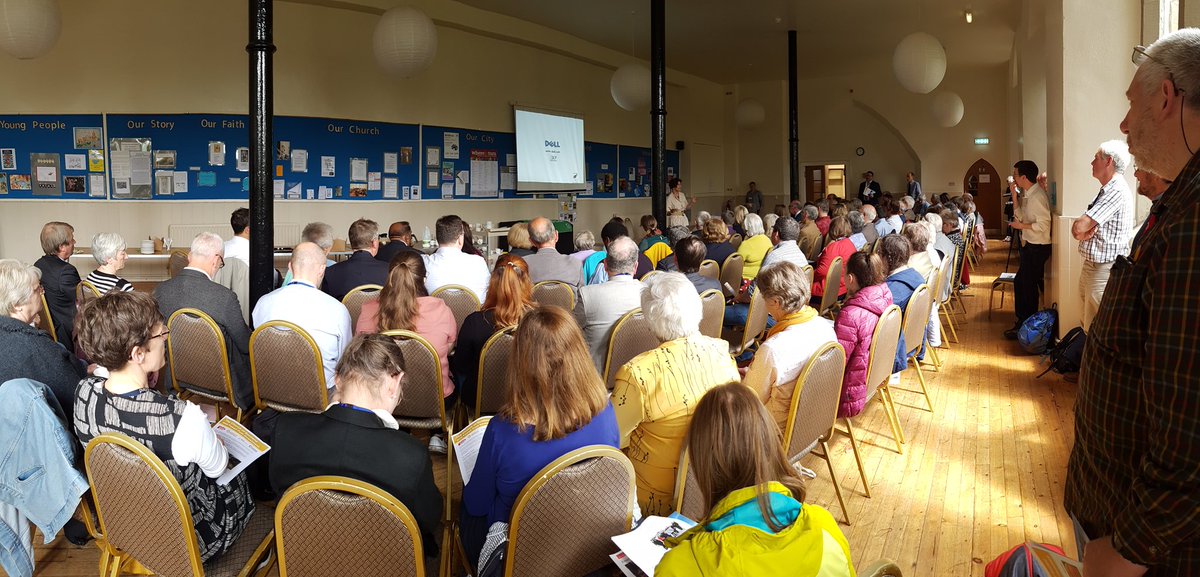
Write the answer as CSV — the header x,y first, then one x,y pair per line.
x,y
710,268
144,515
815,399
884,341
564,518
956,295
340,526
357,297
554,293
86,292
731,270
833,283
199,358
631,336
742,339
287,369
688,500
808,271
177,262
460,299
650,274
493,372
735,241
916,318
944,280
712,303
44,321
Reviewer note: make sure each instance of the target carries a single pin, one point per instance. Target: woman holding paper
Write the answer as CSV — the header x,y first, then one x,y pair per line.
x,y
124,333
757,522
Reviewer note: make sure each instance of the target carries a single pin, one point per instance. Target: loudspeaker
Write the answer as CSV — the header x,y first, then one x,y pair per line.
x,y
678,145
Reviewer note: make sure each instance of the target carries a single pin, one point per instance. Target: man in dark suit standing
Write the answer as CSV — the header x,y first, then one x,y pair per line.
x,y
868,189
59,278
194,288
359,438
362,267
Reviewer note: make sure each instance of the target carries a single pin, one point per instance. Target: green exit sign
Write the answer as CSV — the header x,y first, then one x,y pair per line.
x,y
984,140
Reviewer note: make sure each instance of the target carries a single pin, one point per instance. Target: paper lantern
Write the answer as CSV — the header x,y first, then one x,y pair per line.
x,y
919,63
405,41
29,28
749,113
630,87
947,109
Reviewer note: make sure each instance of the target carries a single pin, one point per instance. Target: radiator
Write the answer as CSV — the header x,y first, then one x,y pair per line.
x,y
286,234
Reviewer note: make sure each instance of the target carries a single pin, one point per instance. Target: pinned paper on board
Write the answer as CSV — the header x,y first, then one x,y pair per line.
x,y
391,187
328,164
391,162
299,160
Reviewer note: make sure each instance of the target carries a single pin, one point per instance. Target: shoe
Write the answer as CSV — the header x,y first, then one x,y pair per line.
x,y
437,445
1011,334
76,533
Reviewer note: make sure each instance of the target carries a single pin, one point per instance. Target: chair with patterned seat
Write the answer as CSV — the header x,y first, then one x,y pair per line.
x,y
177,261
493,372
688,500
815,398
286,369
199,359
731,270
460,299
421,406
735,241
357,297
884,341
712,303
744,338
916,317
710,268
554,293
44,322
631,336
86,292
833,283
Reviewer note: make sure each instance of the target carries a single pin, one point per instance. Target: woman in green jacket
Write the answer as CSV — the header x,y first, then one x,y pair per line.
x,y
757,523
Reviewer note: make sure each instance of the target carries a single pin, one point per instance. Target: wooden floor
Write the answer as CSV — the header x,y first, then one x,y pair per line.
x,y
981,474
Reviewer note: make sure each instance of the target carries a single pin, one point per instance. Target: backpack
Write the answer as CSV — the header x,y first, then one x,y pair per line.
x,y
1067,355
1037,332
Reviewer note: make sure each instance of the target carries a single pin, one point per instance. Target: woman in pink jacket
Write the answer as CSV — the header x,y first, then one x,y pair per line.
x,y
856,324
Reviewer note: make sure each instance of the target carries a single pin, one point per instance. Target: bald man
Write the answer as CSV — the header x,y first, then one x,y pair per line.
x,y
547,263
300,302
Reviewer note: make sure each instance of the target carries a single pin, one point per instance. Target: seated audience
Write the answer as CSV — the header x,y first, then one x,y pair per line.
x,y
702,219
727,218
450,265
28,352
362,267
889,219
689,253
555,403
922,259
59,278
769,221
840,245
124,333
739,219
656,392
468,246
358,438
784,235
600,306
547,263
855,326
823,219
716,242
870,233
950,228
755,246
613,230
320,234
857,237
756,520
108,248
300,302
404,304
238,246
797,334
510,295
651,234
810,235
941,243
400,239
906,209
194,288
674,235
902,281
585,246
518,240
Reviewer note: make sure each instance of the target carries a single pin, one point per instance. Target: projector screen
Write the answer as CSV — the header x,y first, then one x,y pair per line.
x,y
549,152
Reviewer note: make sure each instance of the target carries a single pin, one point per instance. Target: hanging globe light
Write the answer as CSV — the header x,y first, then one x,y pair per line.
x,y
919,63
29,28
947,108
405,41
630,87
749,113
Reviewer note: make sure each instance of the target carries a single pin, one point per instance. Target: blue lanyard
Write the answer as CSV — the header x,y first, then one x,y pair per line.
x,y
356,408
301,283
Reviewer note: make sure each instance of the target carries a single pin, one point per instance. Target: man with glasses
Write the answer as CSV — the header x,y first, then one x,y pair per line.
x,y
1104,230
194,288
1031,208
1133,480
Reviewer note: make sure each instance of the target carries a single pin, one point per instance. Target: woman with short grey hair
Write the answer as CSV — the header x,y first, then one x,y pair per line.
x,y
585,245
108,248
754,248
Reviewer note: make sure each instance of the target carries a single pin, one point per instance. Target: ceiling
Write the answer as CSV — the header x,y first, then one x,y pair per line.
x,y
731,42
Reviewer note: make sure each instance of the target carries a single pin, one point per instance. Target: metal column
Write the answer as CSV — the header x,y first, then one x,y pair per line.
x,y
262,208
793,119
658,110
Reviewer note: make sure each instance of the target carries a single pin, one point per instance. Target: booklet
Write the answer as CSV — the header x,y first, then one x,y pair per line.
x,y
244,447
1053,564
645,545
466,446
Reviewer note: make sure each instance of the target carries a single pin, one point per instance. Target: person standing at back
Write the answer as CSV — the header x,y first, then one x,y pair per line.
x,y
1032,217
1106,227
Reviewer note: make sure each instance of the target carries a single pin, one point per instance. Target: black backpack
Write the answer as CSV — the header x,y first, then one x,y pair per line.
x,y
1066,356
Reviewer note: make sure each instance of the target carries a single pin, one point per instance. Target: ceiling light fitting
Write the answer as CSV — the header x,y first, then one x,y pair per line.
x,y
970,16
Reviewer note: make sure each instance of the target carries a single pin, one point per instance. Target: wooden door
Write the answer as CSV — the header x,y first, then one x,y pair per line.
x,y
814,181
985,184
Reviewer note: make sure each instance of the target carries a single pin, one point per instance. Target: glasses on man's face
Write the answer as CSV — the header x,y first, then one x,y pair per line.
x,y
1140,56
162,334
222,259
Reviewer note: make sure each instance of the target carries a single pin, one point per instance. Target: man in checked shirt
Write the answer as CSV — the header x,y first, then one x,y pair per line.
x,y
1133,480
1104,230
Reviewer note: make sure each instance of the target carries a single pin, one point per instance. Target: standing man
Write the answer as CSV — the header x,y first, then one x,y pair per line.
x,y
1032,215
914,188
868,189
1133,480
1104,230
754,198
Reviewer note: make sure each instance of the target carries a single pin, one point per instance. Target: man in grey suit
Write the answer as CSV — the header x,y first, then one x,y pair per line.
x,y
602,305
194,288
547,263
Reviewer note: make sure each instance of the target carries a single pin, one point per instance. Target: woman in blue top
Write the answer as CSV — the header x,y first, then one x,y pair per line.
x,y
555,403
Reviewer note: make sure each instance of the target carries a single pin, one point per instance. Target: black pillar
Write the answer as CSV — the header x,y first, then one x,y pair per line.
x,y
793,118
262,207
658,110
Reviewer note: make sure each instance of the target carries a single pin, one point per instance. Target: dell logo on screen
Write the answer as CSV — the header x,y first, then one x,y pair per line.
x,y
553,143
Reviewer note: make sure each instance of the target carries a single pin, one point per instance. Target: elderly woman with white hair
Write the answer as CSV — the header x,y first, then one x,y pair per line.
x,y
754,247
108,248
941,243
585,245
656,392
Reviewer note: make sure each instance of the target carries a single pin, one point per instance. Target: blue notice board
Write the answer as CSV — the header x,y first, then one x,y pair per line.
x,y
327,158
62,144
633,172
459,163
601,164
193,156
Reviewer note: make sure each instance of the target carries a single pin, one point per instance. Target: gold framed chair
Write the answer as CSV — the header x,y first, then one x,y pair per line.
x,y
86,292
808,271
631,336
731,270
944,300
884,341
144,515
916,318
460,299
177,261
332,525
813,412
563,519
44,321
688,500
710,268
493,372
833,284
744,338
199,359
554,293
712,302
286,369
649,275
357,297
735,240
880,568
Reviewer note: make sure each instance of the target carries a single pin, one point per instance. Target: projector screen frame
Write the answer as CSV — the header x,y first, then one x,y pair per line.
x,y
535,188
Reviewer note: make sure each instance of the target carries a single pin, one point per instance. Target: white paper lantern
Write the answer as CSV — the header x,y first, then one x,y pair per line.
x,y
630,87
29,28
947,108
749,113
405,41
919,63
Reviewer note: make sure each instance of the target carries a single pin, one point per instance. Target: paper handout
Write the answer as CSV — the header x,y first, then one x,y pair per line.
x,y
244,447
466,446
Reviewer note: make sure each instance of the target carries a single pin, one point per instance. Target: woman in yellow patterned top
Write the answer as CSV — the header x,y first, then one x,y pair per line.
x,y
656,392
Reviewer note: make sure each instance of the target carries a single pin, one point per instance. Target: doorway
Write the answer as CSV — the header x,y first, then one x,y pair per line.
x,y
983,182
824,179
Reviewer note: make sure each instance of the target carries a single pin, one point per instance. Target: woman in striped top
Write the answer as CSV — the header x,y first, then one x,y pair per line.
x,y
108,248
